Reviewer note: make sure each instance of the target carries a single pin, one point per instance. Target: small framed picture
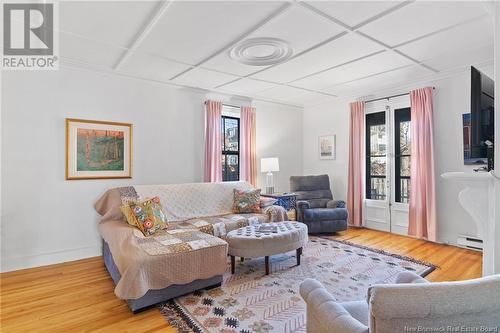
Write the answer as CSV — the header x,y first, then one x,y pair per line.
x,y
327,147
98,149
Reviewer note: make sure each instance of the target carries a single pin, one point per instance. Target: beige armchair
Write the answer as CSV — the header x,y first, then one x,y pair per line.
x,y
410,305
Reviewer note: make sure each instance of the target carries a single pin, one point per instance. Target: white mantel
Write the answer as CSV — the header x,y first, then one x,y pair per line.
x,y
478,199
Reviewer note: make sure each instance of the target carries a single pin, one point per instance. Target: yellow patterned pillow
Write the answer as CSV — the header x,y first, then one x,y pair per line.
x,y
146,215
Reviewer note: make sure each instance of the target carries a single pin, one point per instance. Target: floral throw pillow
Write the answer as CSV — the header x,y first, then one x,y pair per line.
x,y
246,201
146,215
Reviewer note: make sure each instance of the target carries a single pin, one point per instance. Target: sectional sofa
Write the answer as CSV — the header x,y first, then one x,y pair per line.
x,y
190,254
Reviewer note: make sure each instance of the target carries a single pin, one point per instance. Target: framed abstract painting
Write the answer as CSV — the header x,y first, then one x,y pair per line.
x,y
98,149
326,147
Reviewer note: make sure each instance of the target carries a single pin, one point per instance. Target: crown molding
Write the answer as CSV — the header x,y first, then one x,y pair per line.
x,y
402,88
89,67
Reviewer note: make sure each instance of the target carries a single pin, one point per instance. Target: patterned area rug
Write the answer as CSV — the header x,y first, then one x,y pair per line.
x,y
251,302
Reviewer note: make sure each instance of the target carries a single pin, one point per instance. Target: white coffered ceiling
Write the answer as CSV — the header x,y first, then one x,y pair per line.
x,y
339,48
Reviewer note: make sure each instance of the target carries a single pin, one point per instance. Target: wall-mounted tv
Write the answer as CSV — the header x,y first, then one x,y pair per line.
x,y
482,122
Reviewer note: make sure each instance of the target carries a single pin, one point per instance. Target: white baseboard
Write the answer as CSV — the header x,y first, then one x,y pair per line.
x,y
15,263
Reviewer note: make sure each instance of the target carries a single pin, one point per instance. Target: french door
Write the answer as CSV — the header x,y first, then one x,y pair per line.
x,y
387,158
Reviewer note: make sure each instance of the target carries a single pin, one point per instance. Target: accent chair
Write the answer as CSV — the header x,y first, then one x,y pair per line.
x,y
409,304
315,205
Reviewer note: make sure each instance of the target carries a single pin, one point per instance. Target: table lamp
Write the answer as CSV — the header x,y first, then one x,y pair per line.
x,y
269,165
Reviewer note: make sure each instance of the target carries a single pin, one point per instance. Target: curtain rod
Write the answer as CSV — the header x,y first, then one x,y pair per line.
x,y
389,97
231,106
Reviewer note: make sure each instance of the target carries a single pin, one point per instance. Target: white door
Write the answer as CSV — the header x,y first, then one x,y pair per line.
x,y
377,211
387,165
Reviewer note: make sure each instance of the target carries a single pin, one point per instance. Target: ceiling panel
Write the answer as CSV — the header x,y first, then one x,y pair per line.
x,y
368,66
190,31
312,30
202,78
336,52
353,12
458,34
88,51
474,34
113,22
465,58
247,86
420,18
292,94
375,83
313,97
282,92
151,67
223,63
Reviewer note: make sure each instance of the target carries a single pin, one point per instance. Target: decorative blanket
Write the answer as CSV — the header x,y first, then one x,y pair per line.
x,y
187,201
177,241
192,247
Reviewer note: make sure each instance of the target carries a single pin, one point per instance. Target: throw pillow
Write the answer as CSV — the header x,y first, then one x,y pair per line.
x,y
246,201
146,215
266,202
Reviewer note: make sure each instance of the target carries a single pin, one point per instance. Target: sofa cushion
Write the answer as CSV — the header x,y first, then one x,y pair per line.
x,y
316,194
146,215
246,201
177,241
318,203
220,225
188,201
309,183
358,310
266,202
155,262
325,214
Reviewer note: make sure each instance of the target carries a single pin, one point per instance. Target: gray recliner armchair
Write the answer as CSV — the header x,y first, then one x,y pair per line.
x,y
315,205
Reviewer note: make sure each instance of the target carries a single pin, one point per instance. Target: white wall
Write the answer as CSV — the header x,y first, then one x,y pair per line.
x,y
46,219
451,100
279,134
328,119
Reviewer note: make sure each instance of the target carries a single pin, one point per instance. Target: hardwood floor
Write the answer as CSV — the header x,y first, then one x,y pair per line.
x,y
78,296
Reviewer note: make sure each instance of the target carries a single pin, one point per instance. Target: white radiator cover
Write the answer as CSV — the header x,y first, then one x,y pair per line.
x,y
468,242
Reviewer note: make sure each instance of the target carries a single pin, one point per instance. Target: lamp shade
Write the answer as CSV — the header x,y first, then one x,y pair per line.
x,y
269,164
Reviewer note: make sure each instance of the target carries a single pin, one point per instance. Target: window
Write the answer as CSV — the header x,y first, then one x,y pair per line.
x,y
376,156
402,158
230,148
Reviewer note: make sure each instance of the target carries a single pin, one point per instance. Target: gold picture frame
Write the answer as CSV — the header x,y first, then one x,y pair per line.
x,y
98,149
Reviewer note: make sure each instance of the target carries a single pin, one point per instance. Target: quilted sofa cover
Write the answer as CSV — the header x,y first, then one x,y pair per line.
x,y
185,251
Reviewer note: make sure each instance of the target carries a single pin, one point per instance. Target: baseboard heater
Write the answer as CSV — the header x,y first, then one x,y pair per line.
x,y
471,243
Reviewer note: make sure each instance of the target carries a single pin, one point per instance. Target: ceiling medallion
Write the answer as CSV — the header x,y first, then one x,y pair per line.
x,y
262,51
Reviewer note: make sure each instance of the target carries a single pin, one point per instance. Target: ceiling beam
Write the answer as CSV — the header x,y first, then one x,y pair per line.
x,y
143,32
382,14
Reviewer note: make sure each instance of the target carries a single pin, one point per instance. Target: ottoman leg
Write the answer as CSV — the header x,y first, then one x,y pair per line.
x,y
233,261
267,264
299,253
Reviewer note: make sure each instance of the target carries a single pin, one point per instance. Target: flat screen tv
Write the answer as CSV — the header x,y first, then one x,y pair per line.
x,y
482,130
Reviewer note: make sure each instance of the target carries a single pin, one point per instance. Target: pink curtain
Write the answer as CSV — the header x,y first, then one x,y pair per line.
x,y
422,189
248,150
356,163
213,143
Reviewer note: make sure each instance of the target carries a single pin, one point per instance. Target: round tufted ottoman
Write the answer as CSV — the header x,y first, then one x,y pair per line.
x,y
254,241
